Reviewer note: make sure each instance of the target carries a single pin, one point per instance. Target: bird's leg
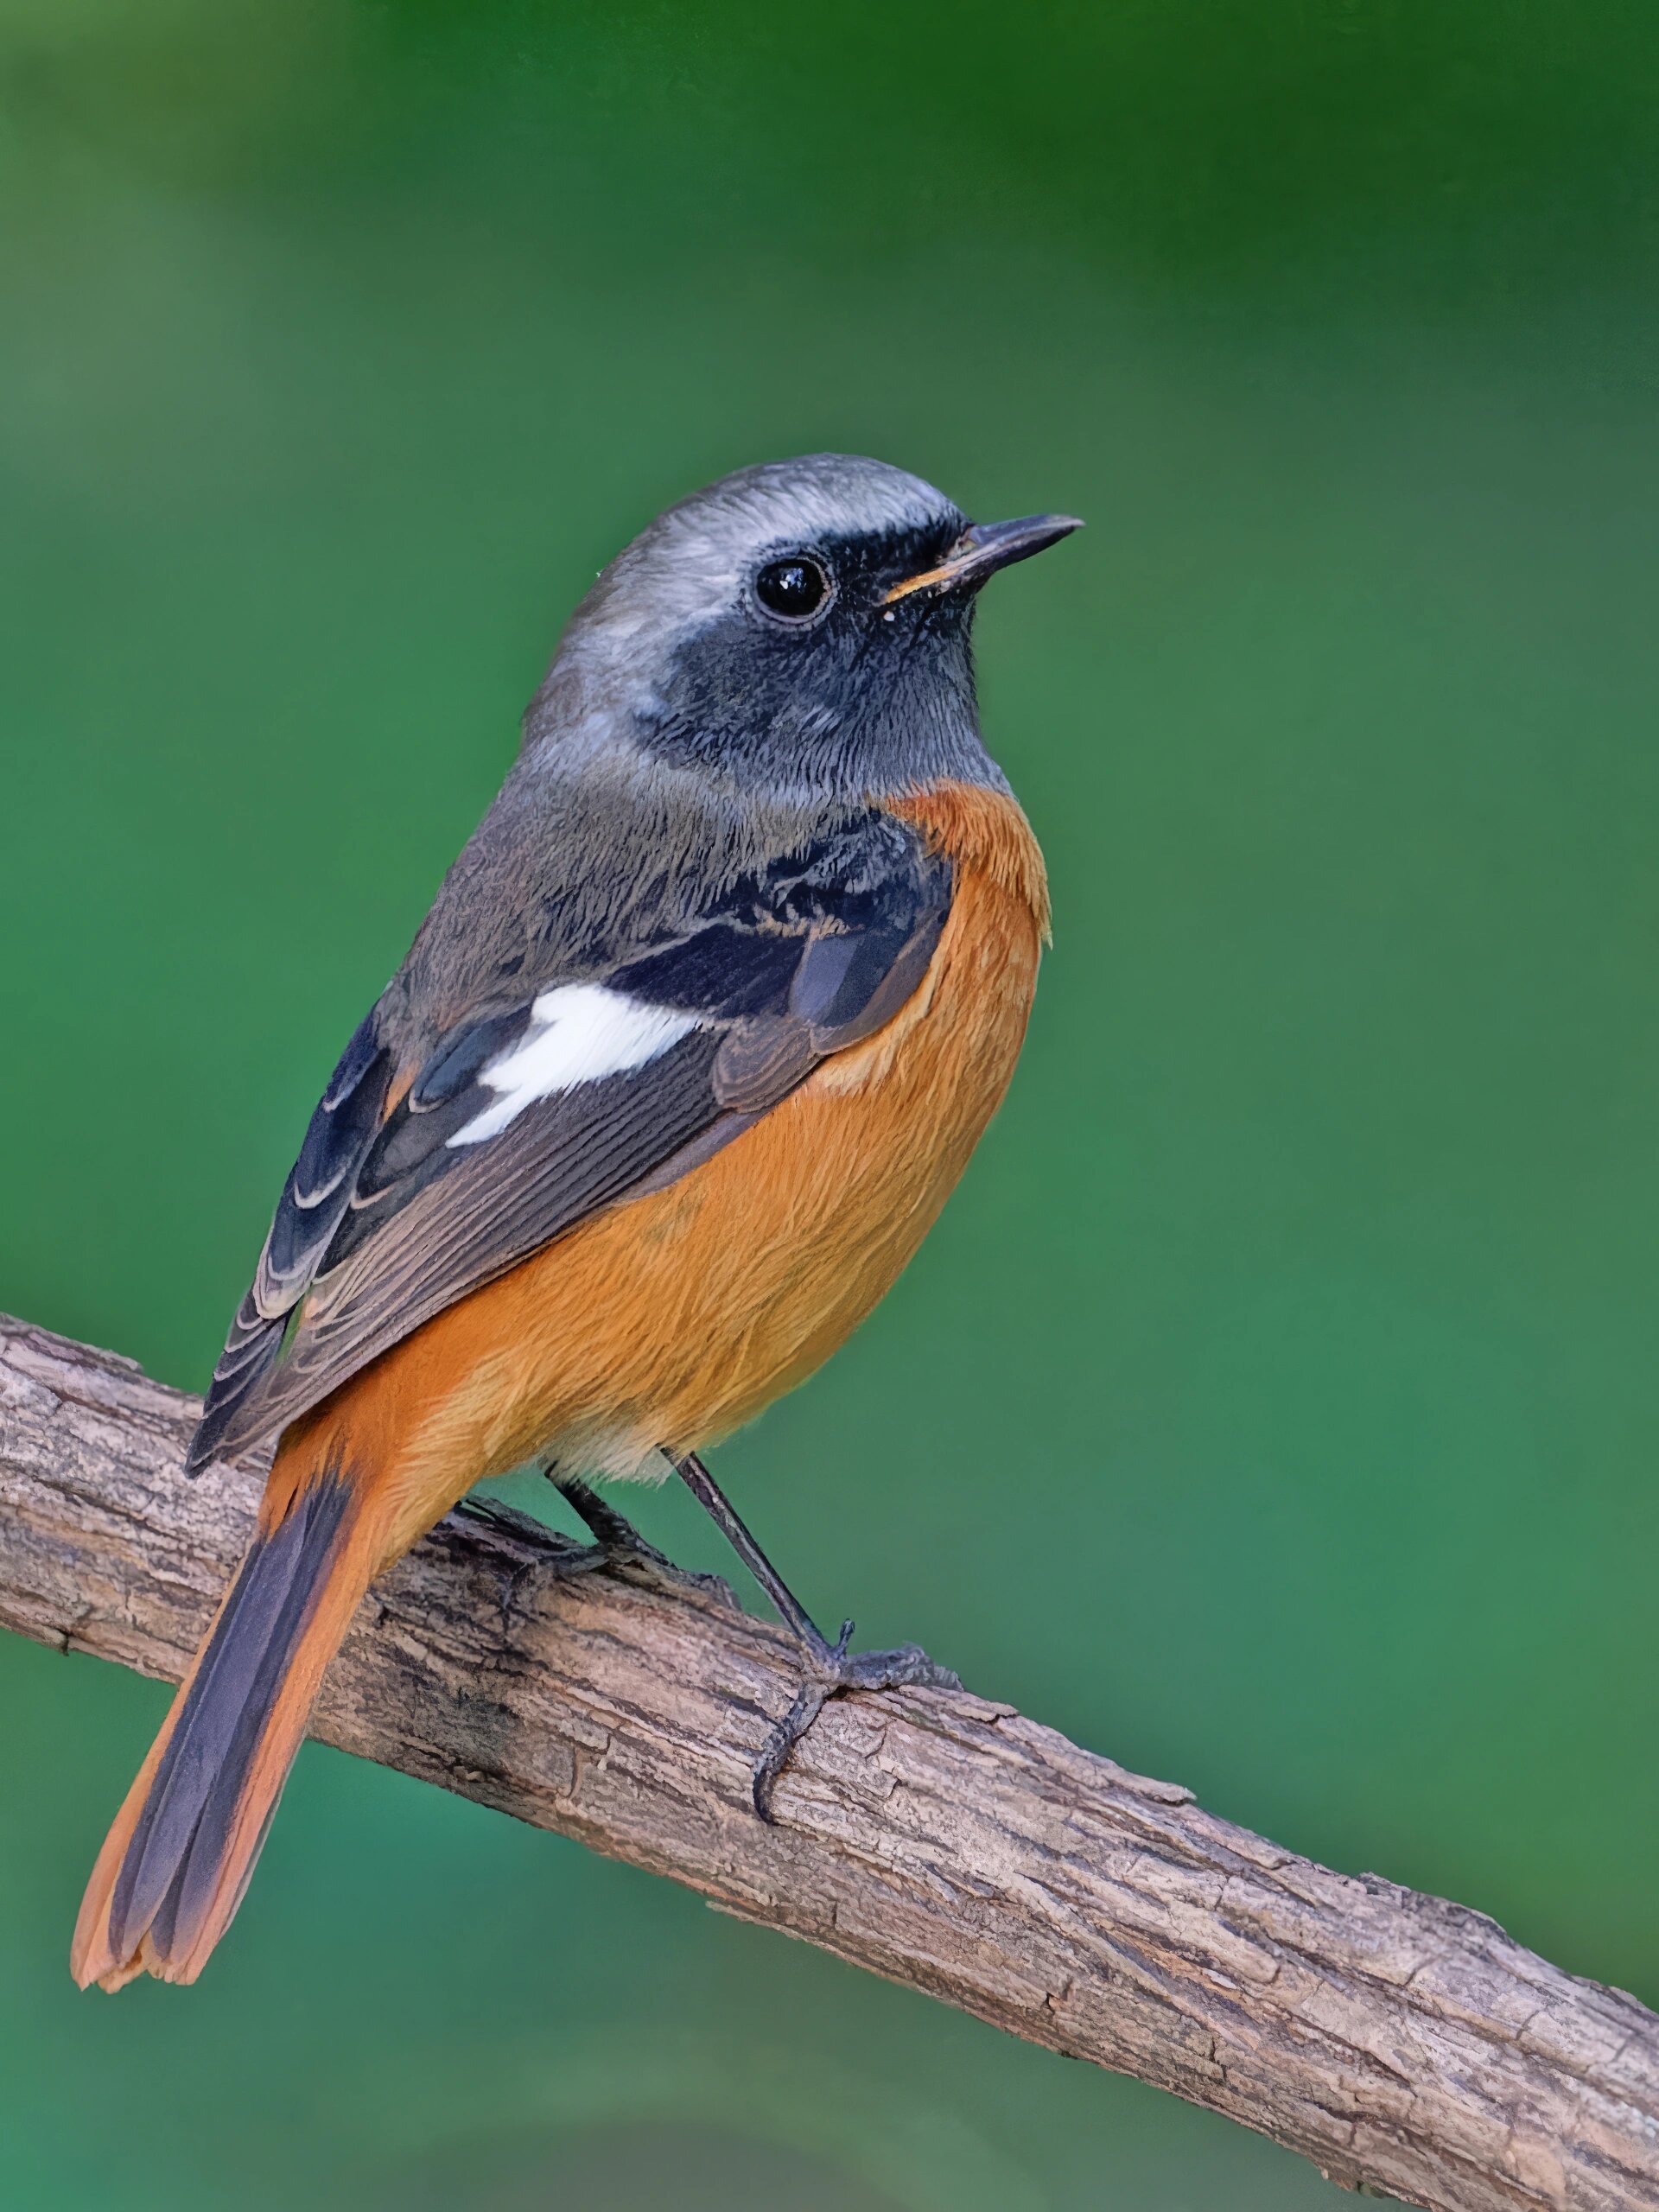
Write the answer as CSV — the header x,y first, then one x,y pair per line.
x,y
618,1544
827,1668
615,1535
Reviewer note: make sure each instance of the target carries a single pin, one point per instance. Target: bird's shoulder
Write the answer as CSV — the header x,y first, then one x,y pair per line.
x,y
573,882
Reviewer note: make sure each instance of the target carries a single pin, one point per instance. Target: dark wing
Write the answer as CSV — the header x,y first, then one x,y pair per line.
x,y
523,1119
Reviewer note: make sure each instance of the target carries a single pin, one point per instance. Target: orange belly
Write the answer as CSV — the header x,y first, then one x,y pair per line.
x,y
674,1317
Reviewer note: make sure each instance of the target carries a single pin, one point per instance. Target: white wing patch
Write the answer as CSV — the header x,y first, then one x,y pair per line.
x,y
578,1033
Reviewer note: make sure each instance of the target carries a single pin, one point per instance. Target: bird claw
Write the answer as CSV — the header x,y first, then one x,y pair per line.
x,y
828,1670
619,1548
542,1551
643,1563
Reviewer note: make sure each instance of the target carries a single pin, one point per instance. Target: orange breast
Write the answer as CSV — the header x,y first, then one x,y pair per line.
x,y
673,1319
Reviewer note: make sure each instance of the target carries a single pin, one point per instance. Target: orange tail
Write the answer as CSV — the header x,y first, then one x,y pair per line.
x,y
175,1866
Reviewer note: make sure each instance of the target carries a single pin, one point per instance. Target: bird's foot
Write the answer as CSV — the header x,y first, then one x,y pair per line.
x,y
535,1550
619,1548
827,1670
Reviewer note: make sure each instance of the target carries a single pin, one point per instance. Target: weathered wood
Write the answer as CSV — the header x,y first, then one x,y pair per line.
x,y
1406,2045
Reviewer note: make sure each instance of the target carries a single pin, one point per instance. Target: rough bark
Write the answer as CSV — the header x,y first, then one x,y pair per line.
x,y
1405,2044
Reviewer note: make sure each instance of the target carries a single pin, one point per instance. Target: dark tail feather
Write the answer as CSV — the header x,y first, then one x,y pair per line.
x,y
179,1857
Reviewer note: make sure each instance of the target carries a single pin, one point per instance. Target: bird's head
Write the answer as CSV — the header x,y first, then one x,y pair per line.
x,y
799,630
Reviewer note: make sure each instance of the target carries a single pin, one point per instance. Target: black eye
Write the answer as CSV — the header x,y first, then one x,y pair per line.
x,y
792,589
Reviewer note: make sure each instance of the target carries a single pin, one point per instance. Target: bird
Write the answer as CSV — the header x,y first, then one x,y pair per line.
x,y
681,1065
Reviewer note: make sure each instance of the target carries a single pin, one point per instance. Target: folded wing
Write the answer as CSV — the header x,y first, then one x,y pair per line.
x,y
530,1113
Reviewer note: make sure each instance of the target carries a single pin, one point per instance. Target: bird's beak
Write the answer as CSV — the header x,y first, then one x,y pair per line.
x,y
985,547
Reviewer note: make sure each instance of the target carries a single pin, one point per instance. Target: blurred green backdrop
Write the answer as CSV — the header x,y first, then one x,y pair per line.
x,y
1276,1406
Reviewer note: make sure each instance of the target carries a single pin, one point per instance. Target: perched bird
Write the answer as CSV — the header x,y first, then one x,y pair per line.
x,y
690,1052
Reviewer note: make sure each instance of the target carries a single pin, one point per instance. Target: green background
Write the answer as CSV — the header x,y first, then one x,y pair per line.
x,y
1275,1408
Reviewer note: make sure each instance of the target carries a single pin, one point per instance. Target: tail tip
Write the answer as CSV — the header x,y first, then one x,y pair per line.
x,y
93,1963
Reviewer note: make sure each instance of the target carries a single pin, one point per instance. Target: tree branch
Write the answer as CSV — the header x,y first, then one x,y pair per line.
x,y
1406,2045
